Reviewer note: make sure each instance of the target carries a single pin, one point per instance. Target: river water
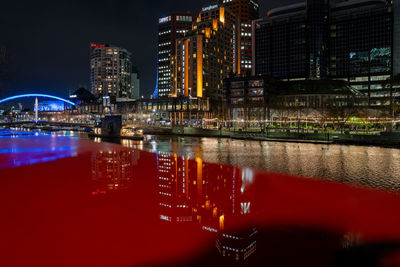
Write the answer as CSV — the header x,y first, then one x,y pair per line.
x,y
369,166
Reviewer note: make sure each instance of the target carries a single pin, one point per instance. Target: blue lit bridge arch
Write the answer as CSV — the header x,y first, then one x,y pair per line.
x,y
48,96
37,95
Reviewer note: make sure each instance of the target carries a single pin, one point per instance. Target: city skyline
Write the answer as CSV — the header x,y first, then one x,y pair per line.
x,y
40,54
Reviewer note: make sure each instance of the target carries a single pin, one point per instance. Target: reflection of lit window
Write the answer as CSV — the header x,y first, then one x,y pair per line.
x,y
245,208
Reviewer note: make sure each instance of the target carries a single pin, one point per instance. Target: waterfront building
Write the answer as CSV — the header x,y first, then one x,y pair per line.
x,y
255,101
396,41
170,28
110,71
354,41
246,11
206,55
135,81
177,110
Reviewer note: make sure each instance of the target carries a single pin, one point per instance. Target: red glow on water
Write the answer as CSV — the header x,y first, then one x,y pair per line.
x,y
106,205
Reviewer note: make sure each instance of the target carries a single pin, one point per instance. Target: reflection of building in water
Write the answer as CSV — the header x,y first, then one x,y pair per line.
x,y
212,195
113,170
234,243
173,188
237,245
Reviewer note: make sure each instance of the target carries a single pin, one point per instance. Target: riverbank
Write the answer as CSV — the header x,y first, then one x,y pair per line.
x,y
382,139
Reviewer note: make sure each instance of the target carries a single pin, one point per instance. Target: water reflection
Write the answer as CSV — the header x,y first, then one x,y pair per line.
x,y
113,170
224,202
123,206
211,196
376,167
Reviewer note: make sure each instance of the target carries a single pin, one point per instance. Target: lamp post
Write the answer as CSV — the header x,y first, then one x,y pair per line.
x,y
36,110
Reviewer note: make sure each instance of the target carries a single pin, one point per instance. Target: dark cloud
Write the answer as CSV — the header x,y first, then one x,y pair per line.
x,y
48,41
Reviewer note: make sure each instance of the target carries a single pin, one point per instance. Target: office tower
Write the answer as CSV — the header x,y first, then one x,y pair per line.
x,y
352,40
317,18
111,69
170,28
246,11
206,55
280,43
396,35
135,81
361,46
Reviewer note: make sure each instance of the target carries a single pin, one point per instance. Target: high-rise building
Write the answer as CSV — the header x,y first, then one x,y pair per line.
x,y
170,28
206,55
317,35
135,81
110,71
246,11
396,34
351,40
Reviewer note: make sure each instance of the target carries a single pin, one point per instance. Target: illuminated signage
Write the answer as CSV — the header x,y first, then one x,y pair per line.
x,y
94,46
163,20
51,106
209,8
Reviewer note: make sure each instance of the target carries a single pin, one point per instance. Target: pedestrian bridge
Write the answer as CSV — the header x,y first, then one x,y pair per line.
x,y
47,96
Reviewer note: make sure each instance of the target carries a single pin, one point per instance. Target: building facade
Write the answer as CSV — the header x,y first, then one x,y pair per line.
x,y
206,55
110,71
170,28
396,41
245,11
177,111
258,100
361,47
135,81
353,40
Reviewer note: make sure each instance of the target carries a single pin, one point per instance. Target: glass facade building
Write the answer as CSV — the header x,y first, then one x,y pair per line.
x,y
354,41
396,40
245,11
170,28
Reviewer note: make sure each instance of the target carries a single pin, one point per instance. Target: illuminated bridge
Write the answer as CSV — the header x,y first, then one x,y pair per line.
x,y
36,96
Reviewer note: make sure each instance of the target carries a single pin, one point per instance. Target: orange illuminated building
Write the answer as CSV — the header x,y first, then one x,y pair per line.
x,y
206,55
245,11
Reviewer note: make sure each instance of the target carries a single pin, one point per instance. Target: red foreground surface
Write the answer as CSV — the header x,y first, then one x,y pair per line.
x,y
71,202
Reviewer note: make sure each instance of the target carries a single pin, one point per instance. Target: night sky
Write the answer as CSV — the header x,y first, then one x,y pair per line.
x,y
47,42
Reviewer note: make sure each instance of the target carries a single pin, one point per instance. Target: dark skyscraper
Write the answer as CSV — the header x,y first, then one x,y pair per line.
x,y
170,28
246,11
353,41
317,17
396,54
